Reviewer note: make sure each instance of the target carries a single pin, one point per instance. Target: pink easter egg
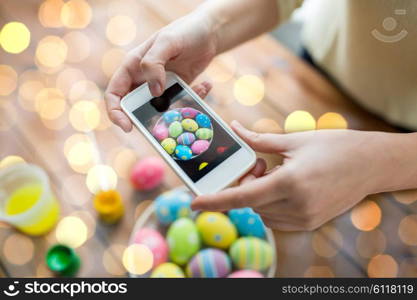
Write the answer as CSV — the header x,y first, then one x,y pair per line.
x,y
246,274
155,242
160,132
200,146
189,112
148,173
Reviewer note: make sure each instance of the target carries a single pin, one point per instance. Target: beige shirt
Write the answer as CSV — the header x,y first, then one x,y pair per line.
x,y
370,48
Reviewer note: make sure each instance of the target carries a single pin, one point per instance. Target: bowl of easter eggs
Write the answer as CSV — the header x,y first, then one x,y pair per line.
x,y
184,133
191,244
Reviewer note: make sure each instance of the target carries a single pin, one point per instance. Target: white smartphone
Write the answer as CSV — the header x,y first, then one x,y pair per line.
x,y
196,143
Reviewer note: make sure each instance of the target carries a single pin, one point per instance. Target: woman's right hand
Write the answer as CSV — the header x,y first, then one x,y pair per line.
x,y
185,47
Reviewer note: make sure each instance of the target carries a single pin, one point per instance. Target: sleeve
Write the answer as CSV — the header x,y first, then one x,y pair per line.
x,y
286,8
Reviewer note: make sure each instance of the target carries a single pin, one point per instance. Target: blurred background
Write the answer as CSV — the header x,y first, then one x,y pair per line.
x,y
56,58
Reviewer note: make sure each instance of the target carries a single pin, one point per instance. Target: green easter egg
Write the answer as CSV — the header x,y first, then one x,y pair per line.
x,y
175,129
251,253
204,133
183,240
169,145
189,125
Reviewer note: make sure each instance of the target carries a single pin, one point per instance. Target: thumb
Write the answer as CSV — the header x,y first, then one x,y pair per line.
x,y
262,142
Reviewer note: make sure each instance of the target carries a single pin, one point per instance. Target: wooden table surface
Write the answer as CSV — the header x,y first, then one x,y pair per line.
x,y
340,248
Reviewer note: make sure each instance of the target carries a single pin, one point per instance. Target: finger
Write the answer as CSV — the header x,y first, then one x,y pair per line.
x,y
121,83
153,63
256,192
257,171
279,225
202,89
262,142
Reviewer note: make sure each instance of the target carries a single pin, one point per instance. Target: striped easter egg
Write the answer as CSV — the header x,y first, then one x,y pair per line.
x,y
209,263
204,133
251,253
187,138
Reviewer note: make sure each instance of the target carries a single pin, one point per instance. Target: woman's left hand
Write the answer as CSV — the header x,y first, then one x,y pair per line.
x,y
324,173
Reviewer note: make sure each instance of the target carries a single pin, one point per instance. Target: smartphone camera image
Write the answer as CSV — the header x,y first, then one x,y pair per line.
x,y
186,131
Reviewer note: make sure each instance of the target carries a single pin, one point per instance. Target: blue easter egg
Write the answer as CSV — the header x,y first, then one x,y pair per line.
x,y
203,121
247,222
173,205
183,152
171,116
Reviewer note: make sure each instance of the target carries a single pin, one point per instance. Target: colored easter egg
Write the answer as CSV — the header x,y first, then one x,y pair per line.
x,y
189,125
171,116
187,138
167,270
209,263
246,274
203,121
247,222
251,253
183,152
160,132
200,146
216,229
175,129
169,145
189,112
148,173
173,205
183,240
204,133
155,242
202,166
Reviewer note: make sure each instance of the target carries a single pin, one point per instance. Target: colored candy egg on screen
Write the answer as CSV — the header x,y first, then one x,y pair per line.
x,y
187,138
183,241
200,146
189,125
155,242
168,270
203,121
173,205
160,132
202,166
216,229
171,116
204,133
169,145
189,112
209,263
183,152
175,129
247,222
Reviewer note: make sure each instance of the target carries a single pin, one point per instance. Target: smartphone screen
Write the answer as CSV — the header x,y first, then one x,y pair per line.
x,y
186,131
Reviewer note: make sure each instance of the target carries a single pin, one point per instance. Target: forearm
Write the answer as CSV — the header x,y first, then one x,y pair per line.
x,y
398,161
236,21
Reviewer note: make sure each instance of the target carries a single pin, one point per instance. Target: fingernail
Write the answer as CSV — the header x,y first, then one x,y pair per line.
x,y
155,88
124,125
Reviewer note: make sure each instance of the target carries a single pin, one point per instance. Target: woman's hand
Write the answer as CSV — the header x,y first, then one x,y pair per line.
x,y
185,47
324,173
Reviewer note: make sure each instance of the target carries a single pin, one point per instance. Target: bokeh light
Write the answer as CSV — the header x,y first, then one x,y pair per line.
x,y
371,243
266,126
50,103
14,37
249,90
319,272
27,94
406,197
84,116
8,115
67,78
88,220
327,241
101,178
11,160
126,7
137,259
112,260
122,161
299,120
121,30
51,51
78,45
382,266
56,124
76,14
18,249
366,216
332,120
85,90
71,183
408,267
79,151
222,68
49,13
71,231
8,80
111,60
407,230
